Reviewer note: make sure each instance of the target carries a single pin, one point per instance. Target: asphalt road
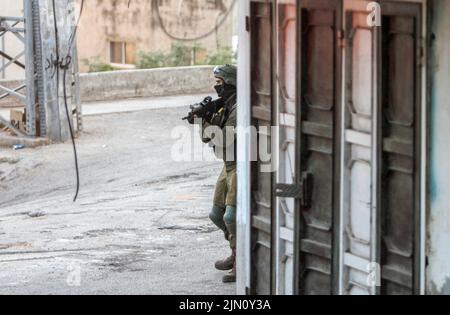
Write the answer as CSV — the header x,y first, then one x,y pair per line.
x,y
140,225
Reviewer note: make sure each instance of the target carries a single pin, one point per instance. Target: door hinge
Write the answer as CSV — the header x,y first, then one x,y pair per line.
x,y
247,23
301,190
341,38
421,57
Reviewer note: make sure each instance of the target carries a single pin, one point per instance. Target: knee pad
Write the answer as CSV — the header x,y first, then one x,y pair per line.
x,y
230,216
230,221
216,216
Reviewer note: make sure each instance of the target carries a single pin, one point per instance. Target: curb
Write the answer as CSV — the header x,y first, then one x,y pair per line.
x,y
26,142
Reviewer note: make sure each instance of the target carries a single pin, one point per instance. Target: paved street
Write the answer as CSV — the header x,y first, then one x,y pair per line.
x,y
140,225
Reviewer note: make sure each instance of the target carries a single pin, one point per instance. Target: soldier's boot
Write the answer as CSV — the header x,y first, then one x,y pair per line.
x,y
231,276
227,263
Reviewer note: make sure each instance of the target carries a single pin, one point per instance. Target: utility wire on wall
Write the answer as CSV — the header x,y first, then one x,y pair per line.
x,y
192,39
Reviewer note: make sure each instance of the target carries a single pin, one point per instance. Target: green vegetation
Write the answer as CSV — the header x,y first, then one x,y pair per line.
x,y
222,56
96,65
183,55
178,56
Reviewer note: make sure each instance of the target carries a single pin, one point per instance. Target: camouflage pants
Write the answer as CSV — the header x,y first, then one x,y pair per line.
x,y
223,213
226,188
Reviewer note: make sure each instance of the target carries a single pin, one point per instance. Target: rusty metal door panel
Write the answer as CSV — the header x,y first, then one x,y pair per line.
x,y
286,34
400,178
261,101
358,212
318,132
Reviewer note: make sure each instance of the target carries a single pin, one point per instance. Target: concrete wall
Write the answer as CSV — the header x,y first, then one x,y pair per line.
x,y
125,84
145,83
56,124
438,271
104,21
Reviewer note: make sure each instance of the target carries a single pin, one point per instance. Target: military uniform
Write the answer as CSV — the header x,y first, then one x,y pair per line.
x,y
223,213
218,129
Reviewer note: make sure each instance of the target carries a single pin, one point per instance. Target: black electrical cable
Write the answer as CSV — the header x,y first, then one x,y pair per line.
x,y
69,60
193,39
74,33
218,25
64,65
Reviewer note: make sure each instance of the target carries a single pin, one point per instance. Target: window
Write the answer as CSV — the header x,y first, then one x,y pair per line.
x,y
122,52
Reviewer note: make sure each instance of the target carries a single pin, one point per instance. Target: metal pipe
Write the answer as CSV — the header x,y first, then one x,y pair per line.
x,y
3,73
15,90
16,33
39,67
29,70
13,93
11,127
12,60
12,18
12,25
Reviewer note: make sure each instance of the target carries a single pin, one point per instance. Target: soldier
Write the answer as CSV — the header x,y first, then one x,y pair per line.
x,y
223,213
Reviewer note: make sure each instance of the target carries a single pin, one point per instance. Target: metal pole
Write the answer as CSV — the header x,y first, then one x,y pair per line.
x,y
29,70
2,48
38,62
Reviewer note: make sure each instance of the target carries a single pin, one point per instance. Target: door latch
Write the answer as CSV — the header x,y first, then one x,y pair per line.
x,y
301,190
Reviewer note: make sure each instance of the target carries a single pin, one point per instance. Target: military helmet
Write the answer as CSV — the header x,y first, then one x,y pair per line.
x,y
228,73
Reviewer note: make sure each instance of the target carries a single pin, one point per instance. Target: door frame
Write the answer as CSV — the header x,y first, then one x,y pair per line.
x,y
243,218
422,144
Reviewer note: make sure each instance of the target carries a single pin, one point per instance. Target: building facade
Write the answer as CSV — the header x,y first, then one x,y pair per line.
x,y
112,32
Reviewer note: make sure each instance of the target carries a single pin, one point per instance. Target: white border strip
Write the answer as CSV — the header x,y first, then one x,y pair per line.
x,y
244,153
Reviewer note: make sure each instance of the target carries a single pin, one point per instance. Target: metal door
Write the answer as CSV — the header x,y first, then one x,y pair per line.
x,y
261,188
400,125
286,108
348,189
358,209
317,139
